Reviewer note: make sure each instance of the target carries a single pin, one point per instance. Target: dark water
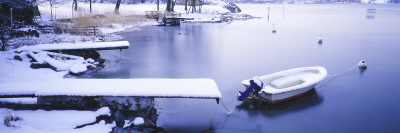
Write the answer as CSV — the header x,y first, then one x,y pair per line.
x,y
351,102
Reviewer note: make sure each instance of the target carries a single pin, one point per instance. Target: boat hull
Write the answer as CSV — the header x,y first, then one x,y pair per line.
x,y
269,99
282,97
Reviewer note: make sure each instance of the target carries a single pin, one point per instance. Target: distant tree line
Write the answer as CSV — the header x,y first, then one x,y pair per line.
x,y
235,1
124,1
293,1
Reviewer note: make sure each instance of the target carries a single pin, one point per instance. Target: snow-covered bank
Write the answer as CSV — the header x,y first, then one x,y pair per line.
x,y
64,11
20,71
55,121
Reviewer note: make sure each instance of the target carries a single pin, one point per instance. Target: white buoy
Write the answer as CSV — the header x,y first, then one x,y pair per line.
x,y
320,39
273,28
362,64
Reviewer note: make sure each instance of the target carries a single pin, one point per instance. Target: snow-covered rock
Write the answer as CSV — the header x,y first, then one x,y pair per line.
x,y
65,121
78,69
103,111
89,60
127,124
138,121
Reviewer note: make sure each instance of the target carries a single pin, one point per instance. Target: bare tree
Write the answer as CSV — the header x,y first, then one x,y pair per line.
x,y
116,11
4,39
170,6
75,5
193,6
90,6
54,4
186,3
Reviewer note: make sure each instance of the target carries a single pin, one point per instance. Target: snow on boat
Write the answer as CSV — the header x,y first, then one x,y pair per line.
x,y
282,86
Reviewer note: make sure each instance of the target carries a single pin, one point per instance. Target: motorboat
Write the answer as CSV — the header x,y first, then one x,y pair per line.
x,y
282,86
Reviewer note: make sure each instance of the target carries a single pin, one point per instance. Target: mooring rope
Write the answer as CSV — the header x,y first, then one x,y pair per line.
x,y
332,75
229,112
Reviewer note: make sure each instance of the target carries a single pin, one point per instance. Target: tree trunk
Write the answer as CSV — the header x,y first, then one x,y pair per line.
x,y
158,5
173,5
186,3
76,5
169,5
116,11
194,6
90,6
51,11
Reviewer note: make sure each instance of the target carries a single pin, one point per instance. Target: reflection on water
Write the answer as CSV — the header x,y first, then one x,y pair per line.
x,y
371,13
253,108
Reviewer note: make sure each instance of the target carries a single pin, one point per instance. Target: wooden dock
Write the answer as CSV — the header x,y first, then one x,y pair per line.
x,y
152,88
164,18
77,46
126,98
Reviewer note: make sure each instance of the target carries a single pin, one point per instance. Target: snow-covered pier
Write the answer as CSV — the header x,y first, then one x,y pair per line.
x,y
77,46
153,88
126,98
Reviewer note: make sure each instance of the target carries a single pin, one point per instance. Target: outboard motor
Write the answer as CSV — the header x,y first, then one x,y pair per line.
x,y
255,88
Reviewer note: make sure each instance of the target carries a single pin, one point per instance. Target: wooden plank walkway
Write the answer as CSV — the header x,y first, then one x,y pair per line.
x,y
154,88
78,46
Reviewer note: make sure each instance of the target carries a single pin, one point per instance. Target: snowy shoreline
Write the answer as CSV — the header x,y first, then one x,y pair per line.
x,y
16,69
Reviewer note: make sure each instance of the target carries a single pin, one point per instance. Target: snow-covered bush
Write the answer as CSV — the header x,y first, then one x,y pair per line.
x,y
12,120
3,44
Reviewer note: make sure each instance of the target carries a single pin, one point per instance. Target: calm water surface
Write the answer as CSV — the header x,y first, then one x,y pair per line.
x,y
351,102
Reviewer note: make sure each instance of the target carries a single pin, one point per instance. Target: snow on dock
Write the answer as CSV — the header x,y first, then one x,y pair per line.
x,y
18,89
155,88
78,46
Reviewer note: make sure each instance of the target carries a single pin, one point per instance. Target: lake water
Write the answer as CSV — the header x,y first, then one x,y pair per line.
x,y
354,101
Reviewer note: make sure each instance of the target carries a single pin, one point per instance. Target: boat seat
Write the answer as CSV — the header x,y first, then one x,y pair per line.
x,y
291,80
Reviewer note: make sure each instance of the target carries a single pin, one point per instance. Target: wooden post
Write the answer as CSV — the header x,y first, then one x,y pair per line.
x,y
94,30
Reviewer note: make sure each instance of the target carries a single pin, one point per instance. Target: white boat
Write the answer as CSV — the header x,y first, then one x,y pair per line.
x,y
285,85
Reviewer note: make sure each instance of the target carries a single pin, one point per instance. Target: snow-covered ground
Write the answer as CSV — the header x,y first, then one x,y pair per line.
x,y
64,11
64,121
20,71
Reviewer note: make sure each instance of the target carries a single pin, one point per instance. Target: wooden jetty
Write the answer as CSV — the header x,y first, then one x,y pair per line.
x,y
126,98
78,46
164,18
151,88
148,87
